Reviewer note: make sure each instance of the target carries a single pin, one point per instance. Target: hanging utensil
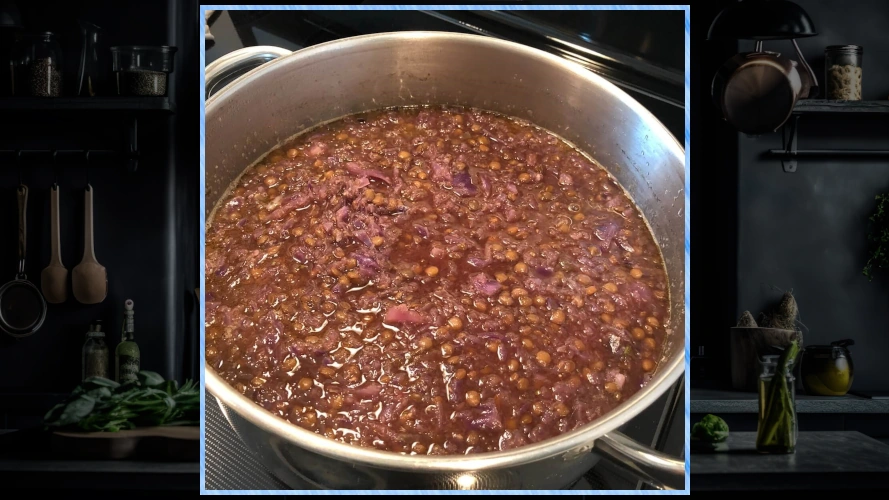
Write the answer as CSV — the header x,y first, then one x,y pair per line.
x,y
22,308
89,279
54,278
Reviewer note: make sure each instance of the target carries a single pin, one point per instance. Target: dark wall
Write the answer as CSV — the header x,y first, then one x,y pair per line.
x,y
806,231
145,222
714,197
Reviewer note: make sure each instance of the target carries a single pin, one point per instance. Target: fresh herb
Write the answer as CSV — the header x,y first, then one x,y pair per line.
x,y
99,404
878,236
710,429
777,428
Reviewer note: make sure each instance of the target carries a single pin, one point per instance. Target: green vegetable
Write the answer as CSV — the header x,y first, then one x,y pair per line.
x,y
711,429
99,404
777,426
878,236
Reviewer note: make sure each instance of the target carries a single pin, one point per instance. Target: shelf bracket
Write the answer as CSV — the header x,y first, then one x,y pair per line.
x,y
132,146
790,145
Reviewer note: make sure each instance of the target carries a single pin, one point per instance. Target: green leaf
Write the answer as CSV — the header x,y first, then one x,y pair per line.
x,y
150,379
76,410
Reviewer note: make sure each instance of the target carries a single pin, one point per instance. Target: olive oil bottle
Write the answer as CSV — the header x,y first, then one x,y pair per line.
x,y
126,356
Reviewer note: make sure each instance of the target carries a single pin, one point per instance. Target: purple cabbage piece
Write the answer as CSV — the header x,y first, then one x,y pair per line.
x,y
489,417
543,272
441,171
342,213
358,169
367,265
486,184
484,285
463,185
606,232
364,238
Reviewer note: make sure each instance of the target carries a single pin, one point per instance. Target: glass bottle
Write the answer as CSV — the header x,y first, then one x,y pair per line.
x,y
94,355
127,352
842,65
777,428
37,68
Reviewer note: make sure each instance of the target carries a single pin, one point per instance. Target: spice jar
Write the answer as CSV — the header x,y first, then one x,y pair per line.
x,y
94,355
37,66
842,65
777,428
142,70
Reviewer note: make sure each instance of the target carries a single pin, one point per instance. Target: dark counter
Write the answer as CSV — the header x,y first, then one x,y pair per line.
x,y
823,460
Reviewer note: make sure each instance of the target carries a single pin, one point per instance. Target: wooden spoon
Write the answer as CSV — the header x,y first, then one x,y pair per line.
x,y
54,278
89,279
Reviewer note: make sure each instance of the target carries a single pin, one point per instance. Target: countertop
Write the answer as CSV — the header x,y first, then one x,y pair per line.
x,y
21,471
823,460
722,401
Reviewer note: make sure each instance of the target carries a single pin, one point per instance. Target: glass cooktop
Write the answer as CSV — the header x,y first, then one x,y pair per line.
x,y
641,52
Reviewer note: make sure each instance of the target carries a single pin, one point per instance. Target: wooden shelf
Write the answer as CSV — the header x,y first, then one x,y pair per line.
x,y
811,106
109,103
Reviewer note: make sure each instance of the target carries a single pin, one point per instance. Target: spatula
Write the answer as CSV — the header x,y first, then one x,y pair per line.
x,y
89,279
54,278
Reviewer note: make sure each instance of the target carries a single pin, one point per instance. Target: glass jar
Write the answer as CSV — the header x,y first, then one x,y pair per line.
x,y
827,370
777,427
842,65
142,70
37,66
94,355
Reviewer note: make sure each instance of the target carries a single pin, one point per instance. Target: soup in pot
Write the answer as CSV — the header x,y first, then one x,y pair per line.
x,y
433,281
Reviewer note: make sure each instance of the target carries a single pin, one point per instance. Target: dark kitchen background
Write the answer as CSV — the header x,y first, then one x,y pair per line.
x,y
144,169
760,231
641,51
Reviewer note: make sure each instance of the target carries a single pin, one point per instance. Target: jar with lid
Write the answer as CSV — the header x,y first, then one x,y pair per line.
x,y
94,355
37,66
827,370
777,424
842,64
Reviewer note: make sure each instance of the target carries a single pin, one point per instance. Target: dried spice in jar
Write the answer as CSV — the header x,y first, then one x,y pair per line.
x,y
843,68
37,67
94,355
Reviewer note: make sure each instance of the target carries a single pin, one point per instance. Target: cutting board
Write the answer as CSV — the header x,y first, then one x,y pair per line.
x,y
175,444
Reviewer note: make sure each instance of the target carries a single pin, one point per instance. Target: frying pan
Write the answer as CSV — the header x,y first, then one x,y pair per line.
x,y
22,308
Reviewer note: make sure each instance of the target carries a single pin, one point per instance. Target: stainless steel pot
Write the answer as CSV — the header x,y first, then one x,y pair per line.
x,y
263,108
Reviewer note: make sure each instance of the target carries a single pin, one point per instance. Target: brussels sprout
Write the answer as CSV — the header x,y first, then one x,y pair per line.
x,y
711,429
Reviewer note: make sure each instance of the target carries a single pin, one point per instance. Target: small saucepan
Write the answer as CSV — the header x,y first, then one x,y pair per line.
x,y
22,307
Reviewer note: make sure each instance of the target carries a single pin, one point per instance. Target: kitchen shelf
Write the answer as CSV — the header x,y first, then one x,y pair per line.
x,y
813,106
109,103
718,401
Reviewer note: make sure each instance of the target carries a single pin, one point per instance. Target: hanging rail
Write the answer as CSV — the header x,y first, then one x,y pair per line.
x,y
790,153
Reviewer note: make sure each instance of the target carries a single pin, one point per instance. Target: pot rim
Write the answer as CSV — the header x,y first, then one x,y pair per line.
x,y
667,373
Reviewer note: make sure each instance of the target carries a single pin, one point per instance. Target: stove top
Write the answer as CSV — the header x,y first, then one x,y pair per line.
x,y
640,51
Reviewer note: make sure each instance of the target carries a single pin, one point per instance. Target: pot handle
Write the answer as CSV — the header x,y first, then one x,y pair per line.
x,y
229,67
652,467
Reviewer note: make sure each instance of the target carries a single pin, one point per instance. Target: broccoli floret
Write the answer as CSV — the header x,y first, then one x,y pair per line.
x,y
711,429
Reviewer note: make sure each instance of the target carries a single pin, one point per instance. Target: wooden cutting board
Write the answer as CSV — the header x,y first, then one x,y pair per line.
x,y
177,444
